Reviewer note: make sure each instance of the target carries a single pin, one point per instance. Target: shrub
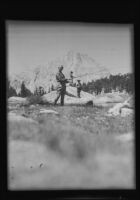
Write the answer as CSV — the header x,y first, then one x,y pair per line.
x,y
24,91
10,90
33,99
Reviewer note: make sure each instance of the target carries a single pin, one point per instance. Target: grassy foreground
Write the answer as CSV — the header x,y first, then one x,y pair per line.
x,y
82,137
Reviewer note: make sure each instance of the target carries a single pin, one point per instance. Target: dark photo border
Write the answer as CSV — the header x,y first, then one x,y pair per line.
x,y
76,11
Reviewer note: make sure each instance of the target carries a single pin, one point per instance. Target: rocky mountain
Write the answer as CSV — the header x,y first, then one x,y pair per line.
x,y
83,66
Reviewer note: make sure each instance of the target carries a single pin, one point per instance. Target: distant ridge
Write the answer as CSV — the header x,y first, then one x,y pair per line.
x,y
81,65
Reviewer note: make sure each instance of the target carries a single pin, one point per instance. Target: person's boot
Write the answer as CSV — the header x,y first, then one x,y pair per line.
x,y
62,102
55,103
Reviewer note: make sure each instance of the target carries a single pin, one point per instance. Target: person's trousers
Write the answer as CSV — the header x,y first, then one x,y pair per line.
x,y
60,93
78,93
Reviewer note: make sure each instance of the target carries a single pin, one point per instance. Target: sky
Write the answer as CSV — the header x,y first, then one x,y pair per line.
x,y
30,44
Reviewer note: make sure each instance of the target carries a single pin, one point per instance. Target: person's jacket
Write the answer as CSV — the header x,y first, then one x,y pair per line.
x,y
60,78
79,86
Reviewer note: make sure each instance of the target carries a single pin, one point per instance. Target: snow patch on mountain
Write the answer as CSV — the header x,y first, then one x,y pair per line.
x,y
83,66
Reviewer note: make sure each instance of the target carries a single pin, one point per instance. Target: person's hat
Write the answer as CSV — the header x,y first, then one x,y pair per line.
x,y
60,67
78,80
71,72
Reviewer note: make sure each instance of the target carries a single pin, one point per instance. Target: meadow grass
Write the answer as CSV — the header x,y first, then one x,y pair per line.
x,y
80,149
34,99
75,133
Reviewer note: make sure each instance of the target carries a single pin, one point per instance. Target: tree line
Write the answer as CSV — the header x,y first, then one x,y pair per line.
x,y
24,91
117,82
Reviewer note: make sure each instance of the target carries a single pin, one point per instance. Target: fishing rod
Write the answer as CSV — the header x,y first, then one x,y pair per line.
x,y
74,77
84,75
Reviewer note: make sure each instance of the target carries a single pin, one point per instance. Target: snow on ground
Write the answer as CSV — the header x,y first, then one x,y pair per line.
x,y
70,97
46,111
17,100
108,98
122,109
73,90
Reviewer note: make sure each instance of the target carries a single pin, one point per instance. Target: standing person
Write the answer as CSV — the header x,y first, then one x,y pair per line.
x,y
79,88
40,91
61,87
37,91
71,78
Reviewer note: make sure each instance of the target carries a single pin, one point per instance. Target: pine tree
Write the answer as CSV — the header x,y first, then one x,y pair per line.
x,y
52,87
24,91
10,90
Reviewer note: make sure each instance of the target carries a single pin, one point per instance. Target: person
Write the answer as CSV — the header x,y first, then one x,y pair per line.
x,y
37,91
79,88
61,85
41,91
71,78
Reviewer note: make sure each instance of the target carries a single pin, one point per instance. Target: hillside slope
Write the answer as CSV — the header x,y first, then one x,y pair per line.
x,y
81,64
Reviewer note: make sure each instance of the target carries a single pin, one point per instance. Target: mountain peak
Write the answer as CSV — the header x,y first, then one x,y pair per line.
x,y
81,64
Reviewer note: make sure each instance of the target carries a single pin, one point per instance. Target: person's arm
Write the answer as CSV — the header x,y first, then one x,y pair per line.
x,y
79,86
61,78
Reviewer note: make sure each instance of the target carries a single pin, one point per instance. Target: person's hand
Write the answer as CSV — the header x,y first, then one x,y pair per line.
x,y
68,79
